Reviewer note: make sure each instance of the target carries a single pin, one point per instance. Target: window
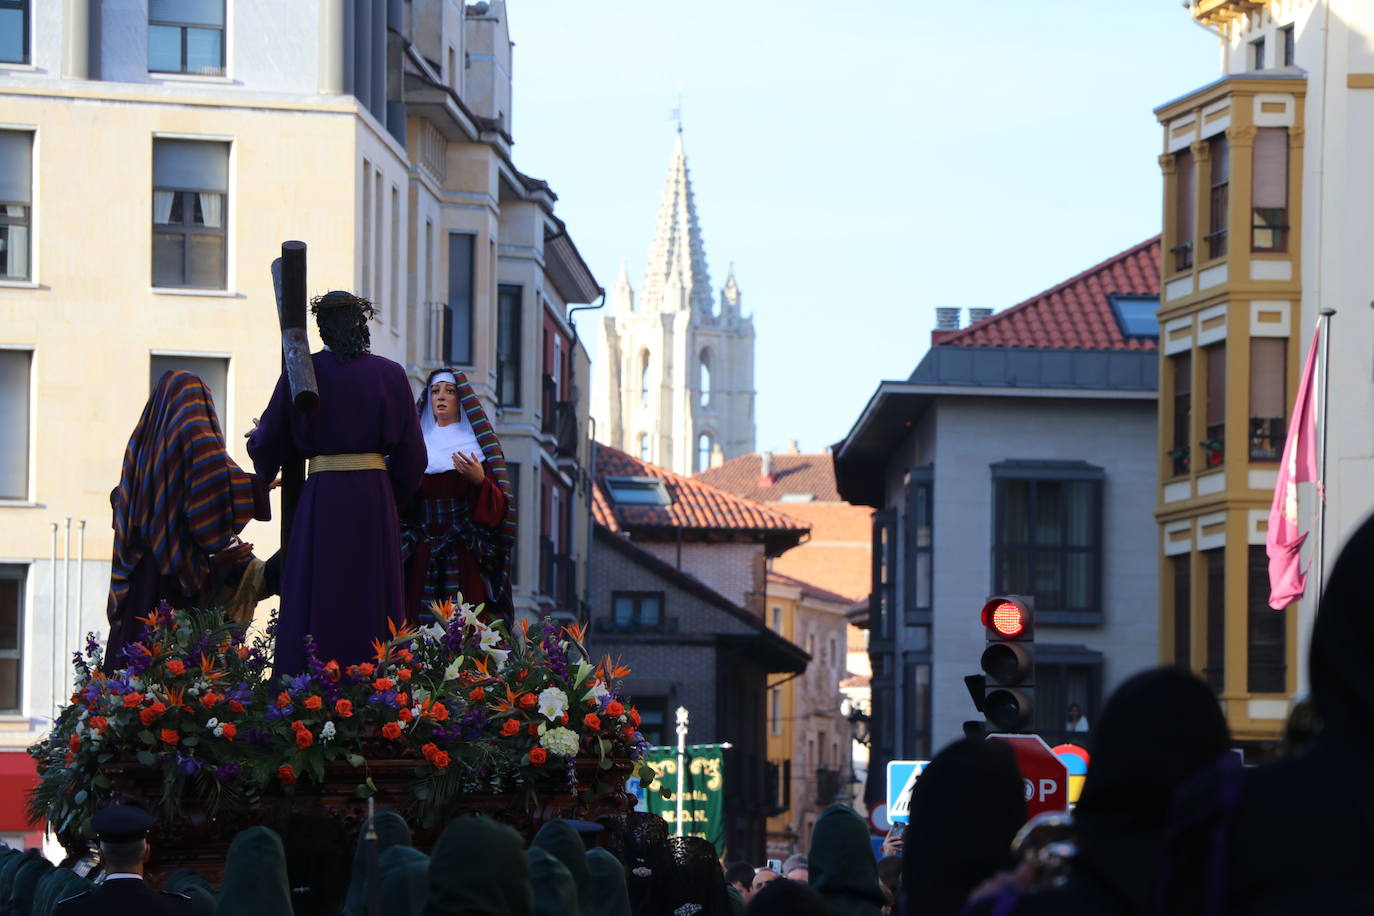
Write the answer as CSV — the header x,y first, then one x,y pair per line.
x,y
1268,397
1257,54
653,718
1215,669
11,635
920,545
1185,187
1220,197
1135,315
1183,412
632,610
1266,632
1214,436
186,36
882,594
705,381
1269,228
777,620
1286,40
775,710
14,31
394,304
190,187
460,292
1066,676
644,378
509,302
14,423
1183,610
643,446
704,452
16,201
367,231
1049,537
916,718
637,491
213,371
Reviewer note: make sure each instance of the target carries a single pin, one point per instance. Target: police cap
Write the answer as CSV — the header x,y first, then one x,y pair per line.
x,y
121,823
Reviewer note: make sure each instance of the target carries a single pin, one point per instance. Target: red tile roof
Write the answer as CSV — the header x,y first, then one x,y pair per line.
x,y
808,589
695,505
792,473
1076,314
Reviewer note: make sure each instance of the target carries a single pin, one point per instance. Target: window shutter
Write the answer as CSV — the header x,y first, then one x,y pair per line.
x,y
16,166
193,165
1268,377
1271,168
1187,194
14,424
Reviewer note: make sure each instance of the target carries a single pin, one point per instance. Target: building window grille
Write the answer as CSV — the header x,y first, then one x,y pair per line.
x,y
190,214
186,36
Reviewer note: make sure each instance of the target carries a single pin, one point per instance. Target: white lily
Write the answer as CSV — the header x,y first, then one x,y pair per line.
x,y
453,669
553,703
583,670
597,692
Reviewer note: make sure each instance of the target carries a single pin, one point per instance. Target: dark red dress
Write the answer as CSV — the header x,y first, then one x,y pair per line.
x,y
449,543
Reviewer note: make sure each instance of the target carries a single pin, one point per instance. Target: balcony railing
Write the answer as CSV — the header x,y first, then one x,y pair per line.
x,y
1183,256
1214,446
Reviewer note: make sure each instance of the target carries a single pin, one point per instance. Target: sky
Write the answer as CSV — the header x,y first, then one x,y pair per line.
x,y
859,163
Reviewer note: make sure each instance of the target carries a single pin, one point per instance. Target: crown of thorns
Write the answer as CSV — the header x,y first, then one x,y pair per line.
x,y
339,298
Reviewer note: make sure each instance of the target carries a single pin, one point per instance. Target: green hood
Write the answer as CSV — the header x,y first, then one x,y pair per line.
x,y
609,896
479,868
25,882
392,830
255,881
843,869
559,839
736,901
554,891
405,880
193,884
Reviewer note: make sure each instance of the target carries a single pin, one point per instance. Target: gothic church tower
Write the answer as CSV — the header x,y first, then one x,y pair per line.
x,y
675,374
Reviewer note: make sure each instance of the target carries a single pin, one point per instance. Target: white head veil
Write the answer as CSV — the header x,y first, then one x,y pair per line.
x,y
442,441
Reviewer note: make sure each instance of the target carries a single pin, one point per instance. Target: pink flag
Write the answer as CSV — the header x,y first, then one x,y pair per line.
x,y
1283,543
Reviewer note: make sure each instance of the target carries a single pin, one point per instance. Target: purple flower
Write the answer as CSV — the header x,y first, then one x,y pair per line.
x,y
188,765
240,692
227,771
284,712
92,645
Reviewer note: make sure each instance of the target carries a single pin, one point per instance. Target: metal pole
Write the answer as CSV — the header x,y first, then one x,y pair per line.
x,y
52,602
59,662
681,761
1324,329
80,579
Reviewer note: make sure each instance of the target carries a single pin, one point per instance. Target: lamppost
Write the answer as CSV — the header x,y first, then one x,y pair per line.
x,y
859,731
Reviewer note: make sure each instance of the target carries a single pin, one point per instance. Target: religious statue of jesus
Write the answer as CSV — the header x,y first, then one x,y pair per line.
x,y
341,580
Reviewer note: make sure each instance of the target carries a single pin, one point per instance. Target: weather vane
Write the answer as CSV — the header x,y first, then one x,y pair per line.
x,y
675,114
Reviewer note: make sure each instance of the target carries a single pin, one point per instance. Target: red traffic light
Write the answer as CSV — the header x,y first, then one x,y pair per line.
x,y
1008,619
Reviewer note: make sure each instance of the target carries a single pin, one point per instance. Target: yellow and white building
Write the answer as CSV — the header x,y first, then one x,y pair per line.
x,y
1266,222
153,156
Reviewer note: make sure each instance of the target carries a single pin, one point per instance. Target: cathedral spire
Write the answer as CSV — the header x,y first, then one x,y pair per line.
x,y
677,246
729,294
623,295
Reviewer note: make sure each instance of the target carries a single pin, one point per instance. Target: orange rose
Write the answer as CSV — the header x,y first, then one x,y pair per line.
x,y
391,730
132,699
476,694
74,743
304,738
634,717
176,666
344,708
438,712
235,706
383,683
592,721
297,725
99,723
405,715
147,717
440,760
429,750
313,702
209,700
404,655
366,669
229,730
614,708
404,674
522,675
287,775
170,735
533,728
528,700
331,670
538,755
563,719
402,699
509,728
283,700
629,733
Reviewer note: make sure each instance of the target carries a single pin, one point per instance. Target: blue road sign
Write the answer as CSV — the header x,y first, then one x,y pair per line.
x,y
901,777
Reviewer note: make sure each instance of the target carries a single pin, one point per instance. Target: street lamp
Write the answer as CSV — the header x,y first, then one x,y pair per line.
x,y
860,725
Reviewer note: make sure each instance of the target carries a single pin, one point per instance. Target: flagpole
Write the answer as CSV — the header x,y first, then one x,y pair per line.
x,y
1324,329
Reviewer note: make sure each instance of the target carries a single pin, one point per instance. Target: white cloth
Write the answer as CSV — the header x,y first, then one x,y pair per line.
x,y
442,441
1080,726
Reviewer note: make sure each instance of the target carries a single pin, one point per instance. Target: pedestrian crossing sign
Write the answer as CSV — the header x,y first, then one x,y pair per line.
x,y
901,778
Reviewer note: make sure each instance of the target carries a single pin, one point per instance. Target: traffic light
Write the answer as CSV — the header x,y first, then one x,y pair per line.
x,y
1008,663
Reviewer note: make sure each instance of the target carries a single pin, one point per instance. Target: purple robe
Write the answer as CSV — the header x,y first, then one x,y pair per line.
x,y
342,577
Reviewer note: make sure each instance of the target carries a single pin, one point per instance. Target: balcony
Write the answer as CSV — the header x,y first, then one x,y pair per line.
x,y
567,435
1220,12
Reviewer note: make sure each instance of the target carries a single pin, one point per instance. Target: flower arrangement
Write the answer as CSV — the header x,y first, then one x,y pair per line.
x,y
478,708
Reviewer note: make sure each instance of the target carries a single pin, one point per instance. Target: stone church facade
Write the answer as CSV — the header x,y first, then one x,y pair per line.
x,y
675,375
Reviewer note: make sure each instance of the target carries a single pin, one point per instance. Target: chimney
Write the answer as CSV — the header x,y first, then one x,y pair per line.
x,y
766,478
946,324
793,448
977,315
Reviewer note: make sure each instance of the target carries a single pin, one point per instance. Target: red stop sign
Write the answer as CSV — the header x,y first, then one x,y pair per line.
x,y
1046,778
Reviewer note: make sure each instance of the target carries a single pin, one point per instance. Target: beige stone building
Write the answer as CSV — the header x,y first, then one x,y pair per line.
x,y
675,373
151,166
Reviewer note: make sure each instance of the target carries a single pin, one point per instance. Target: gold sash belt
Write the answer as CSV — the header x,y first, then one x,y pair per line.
x,y
362,461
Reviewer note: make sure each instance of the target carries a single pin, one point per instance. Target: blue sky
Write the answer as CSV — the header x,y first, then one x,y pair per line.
x,y
861,163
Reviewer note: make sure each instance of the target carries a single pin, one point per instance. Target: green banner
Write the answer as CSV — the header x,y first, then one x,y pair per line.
x,y
702,792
